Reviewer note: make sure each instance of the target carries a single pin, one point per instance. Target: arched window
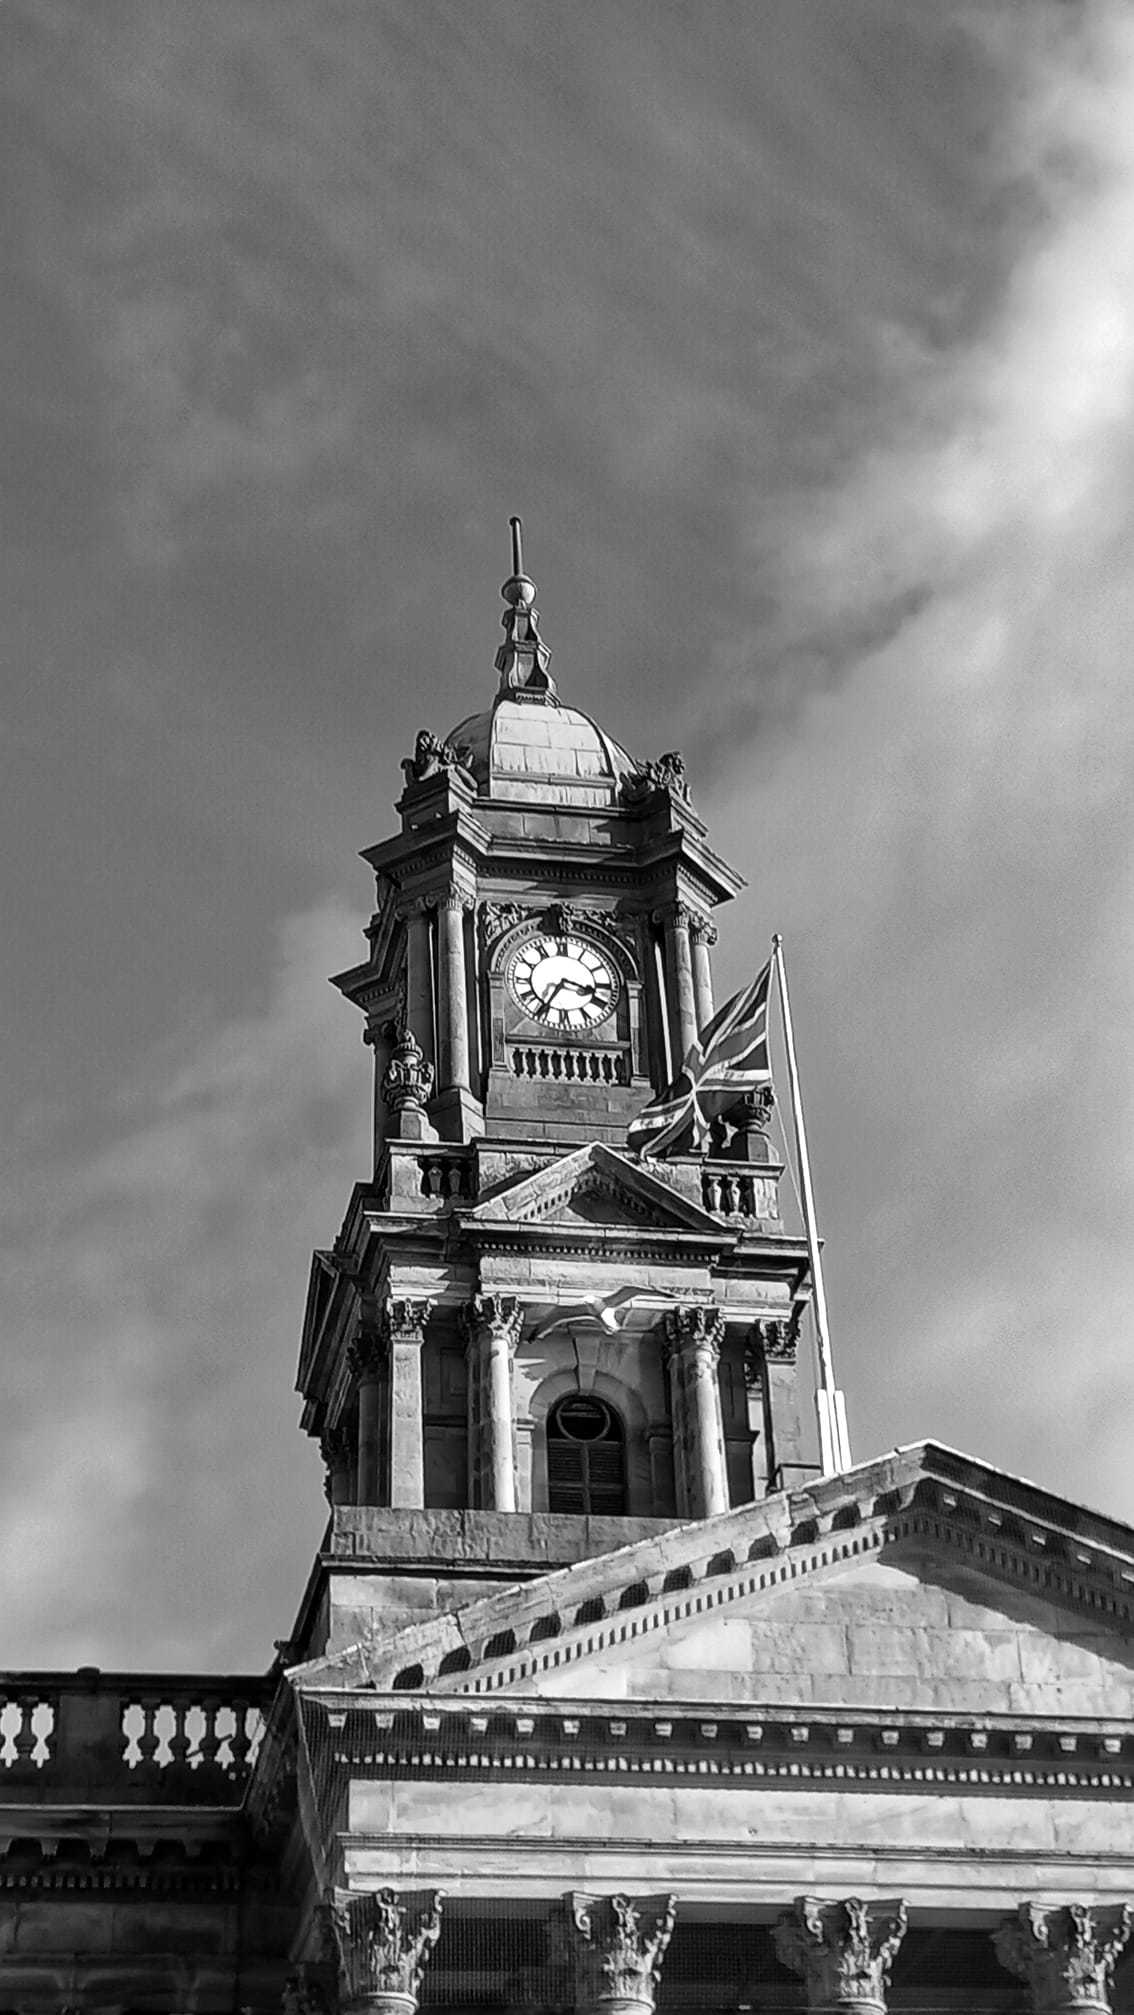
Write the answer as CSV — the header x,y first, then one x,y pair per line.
x,y
586,1456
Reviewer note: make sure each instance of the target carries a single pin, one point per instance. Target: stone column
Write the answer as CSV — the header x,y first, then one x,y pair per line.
x,y
844,1951
384,1941
366,1360
453,1006
617,1944
494,1324
675,921
403,1324
703,935
419,975
1065,1953
694,1335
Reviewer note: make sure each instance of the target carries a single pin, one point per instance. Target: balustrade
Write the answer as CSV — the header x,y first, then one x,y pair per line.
x,y
128,1736
572,1066
731,1190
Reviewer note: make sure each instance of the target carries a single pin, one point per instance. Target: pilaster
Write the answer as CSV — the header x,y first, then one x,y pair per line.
x,y
403,1329
844,1951
1065,1953
384,1942
617,1944
773,1343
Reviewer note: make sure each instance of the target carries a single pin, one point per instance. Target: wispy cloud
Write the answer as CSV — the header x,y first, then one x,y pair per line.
x,y
952,816
152,1299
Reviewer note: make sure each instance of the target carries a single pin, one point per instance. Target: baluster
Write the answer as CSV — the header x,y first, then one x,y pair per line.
x,y
239,1742
747,1195
210,1741
711,1191
179,1740
149,1740
25,1736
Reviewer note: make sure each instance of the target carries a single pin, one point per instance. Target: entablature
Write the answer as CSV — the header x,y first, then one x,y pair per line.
x,y
392,1736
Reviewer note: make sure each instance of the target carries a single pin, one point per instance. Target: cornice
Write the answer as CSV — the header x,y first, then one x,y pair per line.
x,y
799,1746
508,1641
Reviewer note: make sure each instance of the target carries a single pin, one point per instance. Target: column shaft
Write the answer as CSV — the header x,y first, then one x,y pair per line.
x,y
369,1430
501,1470
494,1324
419,977
679,968
453,1045
708,1430
703,935
694,1339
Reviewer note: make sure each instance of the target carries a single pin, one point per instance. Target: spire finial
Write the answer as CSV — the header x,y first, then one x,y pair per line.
x,y
523,657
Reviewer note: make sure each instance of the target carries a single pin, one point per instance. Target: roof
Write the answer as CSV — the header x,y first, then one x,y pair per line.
x,y
529,749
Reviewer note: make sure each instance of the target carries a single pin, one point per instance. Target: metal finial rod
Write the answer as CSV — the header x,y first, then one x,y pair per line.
x,y
517,530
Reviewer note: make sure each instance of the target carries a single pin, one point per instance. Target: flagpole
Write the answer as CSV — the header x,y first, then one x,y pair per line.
x,y
834,1443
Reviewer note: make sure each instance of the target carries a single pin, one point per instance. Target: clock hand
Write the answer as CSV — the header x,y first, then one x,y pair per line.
x,y
580,992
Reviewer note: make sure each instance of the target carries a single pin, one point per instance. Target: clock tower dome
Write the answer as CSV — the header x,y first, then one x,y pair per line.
x,y
525,1336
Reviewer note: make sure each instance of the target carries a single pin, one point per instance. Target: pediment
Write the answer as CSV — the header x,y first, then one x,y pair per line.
x,y
922,1583
595,1185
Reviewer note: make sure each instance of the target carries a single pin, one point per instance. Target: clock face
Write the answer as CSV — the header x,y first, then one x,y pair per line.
x,y
564,982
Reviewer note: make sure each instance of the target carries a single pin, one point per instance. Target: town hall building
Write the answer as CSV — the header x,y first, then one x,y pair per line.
x,y
599,1696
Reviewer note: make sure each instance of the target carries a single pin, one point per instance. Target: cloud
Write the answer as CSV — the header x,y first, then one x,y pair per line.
x,y
156,1291
945,817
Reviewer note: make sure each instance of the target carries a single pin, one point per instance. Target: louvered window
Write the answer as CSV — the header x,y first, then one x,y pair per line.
x,y
586,1457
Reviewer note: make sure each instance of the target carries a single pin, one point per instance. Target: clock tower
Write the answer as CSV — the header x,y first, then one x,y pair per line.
x,y
526,1341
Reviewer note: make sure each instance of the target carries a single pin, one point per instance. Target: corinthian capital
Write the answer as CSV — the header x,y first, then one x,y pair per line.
x,y
695,1333
618,1944
1066,1953
844,1951
384,1942
494,1315
403,1321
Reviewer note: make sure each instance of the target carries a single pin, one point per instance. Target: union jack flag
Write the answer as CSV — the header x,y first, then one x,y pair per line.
x,y
730,1057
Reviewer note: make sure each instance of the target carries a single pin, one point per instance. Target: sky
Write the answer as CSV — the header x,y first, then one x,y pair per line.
x,y
802,338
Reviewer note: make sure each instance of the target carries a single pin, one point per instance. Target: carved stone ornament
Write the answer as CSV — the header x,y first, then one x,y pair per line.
x,y
844,1951
493,1315
695,1333
497,918
1066,1953
778,1340
431,758
407,1083
619,1944
384,1943
666,773
403,1321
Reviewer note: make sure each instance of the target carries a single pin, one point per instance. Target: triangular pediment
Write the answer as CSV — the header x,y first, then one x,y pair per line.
x,y
923,1583
595,1185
